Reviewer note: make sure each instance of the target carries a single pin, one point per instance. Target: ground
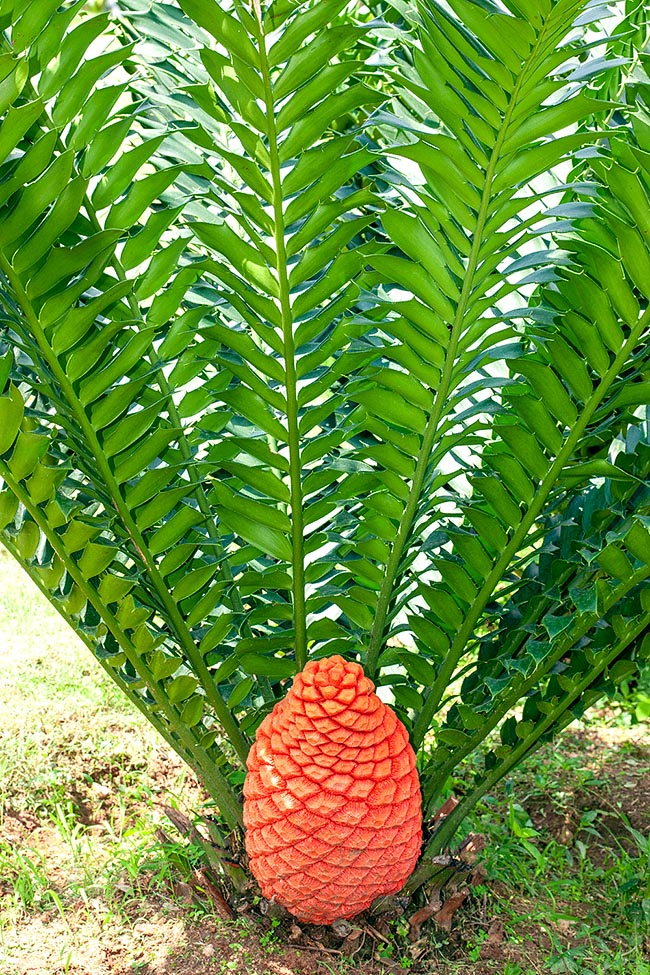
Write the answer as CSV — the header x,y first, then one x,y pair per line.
x,y
95,880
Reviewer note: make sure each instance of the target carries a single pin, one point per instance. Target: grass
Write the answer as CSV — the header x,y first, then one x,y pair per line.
x,y
82,779
565,868
87,885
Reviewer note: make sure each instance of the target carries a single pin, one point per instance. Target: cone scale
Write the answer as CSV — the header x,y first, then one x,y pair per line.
x,y
332,803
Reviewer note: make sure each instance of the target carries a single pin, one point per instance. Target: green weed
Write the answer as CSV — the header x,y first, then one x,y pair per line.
x,y
24,877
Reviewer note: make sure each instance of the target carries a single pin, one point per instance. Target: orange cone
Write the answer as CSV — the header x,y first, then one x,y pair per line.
x,y
332,800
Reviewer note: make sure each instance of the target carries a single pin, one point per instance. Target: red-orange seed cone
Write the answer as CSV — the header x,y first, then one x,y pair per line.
x,y
332,800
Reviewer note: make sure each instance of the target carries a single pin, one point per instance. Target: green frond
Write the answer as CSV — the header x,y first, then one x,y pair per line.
x,y
592,567
487,122
559,404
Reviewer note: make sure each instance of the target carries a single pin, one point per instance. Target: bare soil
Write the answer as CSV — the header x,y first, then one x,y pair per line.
x,y
619,790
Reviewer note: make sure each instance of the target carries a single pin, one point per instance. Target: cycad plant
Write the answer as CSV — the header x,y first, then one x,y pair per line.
x,y
324,332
